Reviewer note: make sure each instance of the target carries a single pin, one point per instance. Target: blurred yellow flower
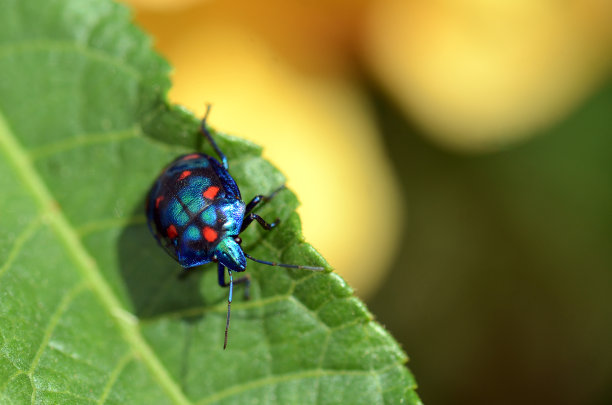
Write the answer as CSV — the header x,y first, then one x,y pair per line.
x,y
477,74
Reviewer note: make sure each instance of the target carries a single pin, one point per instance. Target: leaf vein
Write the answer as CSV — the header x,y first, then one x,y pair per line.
x,y
72,394
83,140
280,378
83,261
91,227
123,361
55,317
219,308
23,237
39,45
12,377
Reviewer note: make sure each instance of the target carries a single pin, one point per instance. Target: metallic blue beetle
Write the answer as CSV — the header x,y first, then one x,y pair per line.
x,y
195,212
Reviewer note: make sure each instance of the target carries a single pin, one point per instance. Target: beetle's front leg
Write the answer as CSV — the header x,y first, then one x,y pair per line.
x,y
261,198
246,280
249,218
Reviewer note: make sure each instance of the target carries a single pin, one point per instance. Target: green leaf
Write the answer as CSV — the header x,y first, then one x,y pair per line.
x,y
92,310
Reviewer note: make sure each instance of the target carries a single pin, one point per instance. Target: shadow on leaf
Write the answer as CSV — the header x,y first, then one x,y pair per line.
x,y
153,279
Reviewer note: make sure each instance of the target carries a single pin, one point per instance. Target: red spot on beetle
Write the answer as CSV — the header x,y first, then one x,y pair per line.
x,y
211,192
184,174
192,156
209,234
171,232
158,200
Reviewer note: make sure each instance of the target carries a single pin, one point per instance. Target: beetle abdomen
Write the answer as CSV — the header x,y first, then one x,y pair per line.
x,y
192,205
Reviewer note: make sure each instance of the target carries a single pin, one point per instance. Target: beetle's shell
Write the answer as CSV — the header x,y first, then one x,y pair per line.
x,y
194,204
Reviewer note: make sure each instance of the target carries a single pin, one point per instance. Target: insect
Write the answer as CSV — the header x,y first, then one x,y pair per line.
x,y
196,213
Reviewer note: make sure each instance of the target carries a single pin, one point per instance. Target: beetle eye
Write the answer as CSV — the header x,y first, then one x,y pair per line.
x,y
238,240
214,259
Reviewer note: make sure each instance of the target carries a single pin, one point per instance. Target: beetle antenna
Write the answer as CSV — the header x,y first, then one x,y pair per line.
x,y
289,266
229,305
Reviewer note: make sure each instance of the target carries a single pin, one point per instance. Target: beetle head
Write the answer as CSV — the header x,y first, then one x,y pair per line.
x,y
230,254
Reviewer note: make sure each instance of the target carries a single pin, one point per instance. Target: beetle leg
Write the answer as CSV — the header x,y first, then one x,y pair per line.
x,y
246,280
249,218
259,198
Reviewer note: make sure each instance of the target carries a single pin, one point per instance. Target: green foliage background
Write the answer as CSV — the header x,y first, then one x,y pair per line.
x,y
91,309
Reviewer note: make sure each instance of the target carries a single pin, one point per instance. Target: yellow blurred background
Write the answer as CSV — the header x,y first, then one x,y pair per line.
x,y
426,142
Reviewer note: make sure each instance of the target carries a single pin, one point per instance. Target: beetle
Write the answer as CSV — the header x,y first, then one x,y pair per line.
x,y
195,212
